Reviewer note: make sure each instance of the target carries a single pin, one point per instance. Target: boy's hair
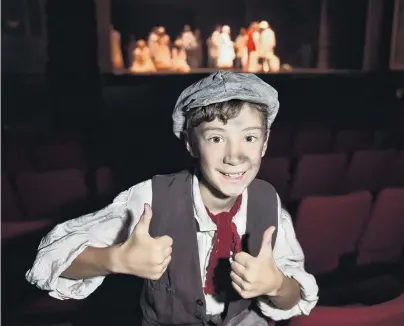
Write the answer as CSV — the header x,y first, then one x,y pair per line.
x,y
222,111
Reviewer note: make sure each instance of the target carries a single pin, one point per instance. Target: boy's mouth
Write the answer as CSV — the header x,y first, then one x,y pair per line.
x,y
234,176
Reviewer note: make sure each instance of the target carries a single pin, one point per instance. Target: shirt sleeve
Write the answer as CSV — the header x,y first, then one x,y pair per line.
x,y
273,39
289,258
60,247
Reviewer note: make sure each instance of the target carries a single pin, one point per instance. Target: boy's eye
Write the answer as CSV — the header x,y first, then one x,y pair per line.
x,y
215,139
251,139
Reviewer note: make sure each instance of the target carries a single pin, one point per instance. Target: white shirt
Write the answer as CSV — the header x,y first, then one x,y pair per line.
x,y
214,44
240,45
267,43
66,241
189,40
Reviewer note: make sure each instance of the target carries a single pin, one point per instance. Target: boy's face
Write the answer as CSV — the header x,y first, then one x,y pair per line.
x,y
230,154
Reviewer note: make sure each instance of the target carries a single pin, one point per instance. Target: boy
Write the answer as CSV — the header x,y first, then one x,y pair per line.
x,y
207,242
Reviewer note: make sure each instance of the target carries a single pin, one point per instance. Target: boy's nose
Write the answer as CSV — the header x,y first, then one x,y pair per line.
x,y
234,155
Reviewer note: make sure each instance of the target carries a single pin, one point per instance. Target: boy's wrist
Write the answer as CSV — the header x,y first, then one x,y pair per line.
x,y
113,260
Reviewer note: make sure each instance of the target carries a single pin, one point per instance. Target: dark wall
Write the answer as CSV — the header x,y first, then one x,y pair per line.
x,y
72,69
347,22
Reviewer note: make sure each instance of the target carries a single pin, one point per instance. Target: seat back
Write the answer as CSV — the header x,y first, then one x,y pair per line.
x,y
276,170
9,204
369,170
383,238
312,142
319,174
353,140
390,313
330,226
46,192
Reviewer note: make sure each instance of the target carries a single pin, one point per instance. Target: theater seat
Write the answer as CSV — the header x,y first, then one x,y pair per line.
x,y
330,226
105,181
390,313
21,229
276,170
348,141
59,156
44,309
312,142
396,175
319,174
279,142
44,193
383,238
9,204
369,170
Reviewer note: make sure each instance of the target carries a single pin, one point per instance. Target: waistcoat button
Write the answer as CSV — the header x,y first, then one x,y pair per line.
x,y
199,302
199,317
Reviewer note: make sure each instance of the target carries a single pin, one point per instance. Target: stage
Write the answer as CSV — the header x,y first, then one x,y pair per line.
x,y
288,71
338,76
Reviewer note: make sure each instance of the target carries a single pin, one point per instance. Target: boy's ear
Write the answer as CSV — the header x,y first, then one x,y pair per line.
x,y
265,147
190,144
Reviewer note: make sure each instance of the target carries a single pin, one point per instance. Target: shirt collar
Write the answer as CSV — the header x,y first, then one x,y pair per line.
x,y
201,215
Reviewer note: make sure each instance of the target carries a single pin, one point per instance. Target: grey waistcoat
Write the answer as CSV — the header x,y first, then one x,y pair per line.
x,y
177,298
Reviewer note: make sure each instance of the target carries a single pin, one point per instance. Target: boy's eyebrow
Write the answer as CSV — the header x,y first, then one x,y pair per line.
x,y
253,128
206,129
212,129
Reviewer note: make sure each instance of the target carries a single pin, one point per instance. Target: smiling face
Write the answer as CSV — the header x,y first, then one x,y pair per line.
x,y
229,152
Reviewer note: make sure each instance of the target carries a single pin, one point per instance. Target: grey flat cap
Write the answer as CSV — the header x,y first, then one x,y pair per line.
x,y
223,86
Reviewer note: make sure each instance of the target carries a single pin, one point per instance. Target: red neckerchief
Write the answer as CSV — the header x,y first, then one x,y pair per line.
x,y
226,240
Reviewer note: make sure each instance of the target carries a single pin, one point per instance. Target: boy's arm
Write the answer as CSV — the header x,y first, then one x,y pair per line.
x,y
92,262
139,255
289,259
55,268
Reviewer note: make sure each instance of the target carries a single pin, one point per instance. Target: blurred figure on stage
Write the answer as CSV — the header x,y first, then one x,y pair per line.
x,y
116,51
162,54
252,46
213,47
267,60
154,40
190,45
275,63
179,57
241,49
153,37
142,61
226,49
199,47
130,47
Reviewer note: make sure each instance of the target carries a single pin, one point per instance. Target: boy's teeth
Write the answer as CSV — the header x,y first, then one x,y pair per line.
x,y
234,175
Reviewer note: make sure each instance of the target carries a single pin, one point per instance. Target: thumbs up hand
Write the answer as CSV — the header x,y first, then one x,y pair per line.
x,y
142,255
255,276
